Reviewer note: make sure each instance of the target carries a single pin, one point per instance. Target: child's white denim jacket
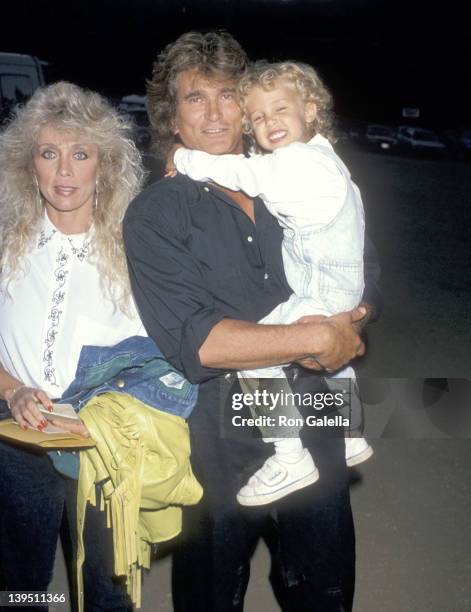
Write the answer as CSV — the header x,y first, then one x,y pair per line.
x,y
308,188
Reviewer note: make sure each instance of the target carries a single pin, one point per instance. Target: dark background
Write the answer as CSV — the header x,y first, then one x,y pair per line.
x,y
377,56
412,517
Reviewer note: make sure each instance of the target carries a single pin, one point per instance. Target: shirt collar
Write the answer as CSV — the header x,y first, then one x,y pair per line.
x,y
320,140
79,243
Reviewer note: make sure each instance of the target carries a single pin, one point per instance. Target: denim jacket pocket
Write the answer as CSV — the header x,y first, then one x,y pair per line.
x,y
340,284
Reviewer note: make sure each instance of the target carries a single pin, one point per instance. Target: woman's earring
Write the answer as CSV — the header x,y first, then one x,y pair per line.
x,y
38,192
96,195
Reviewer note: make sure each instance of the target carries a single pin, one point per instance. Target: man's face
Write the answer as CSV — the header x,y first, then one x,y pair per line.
x,y
207,116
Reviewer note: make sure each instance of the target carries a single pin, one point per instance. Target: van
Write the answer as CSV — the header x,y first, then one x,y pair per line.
x,y
20,75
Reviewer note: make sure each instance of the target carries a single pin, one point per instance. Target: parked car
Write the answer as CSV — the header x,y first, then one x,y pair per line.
x,y
381,136
134,107
458,142
465,140
132,102
141,128
356,132
20,75
420,139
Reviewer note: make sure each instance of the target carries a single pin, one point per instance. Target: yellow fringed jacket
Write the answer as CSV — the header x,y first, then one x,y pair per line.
x,y
143,455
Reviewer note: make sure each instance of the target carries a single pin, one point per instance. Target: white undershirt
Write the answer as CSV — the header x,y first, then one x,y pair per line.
x,y
54,309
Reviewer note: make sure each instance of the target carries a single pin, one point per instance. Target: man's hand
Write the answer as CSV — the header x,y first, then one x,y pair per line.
x,y
341,341
361,324
170,168
310,363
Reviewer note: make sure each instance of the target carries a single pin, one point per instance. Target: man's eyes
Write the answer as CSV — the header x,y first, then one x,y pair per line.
x,y
226,96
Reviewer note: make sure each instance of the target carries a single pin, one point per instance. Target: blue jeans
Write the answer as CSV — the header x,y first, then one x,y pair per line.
x,y
34,500
32,497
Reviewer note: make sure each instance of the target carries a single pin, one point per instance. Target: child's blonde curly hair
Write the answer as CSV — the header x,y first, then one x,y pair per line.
x,y
307,82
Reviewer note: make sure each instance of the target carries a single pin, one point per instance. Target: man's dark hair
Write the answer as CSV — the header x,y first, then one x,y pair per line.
x,y
216,55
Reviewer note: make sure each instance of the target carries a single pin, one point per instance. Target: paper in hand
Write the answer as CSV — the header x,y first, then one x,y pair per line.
x,y
60,412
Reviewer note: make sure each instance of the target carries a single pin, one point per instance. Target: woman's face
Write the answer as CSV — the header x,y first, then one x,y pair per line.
x,y
67,169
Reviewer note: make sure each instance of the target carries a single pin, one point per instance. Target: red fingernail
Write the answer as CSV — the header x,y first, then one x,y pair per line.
x,y
50,407
44,423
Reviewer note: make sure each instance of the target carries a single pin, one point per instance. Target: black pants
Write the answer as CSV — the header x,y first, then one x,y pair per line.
x,y
310,533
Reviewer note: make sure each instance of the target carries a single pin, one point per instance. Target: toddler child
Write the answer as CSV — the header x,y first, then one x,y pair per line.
x,y
308,188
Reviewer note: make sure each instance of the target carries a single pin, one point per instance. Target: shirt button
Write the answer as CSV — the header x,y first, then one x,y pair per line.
x,y
120,383
249,239
266,276
206,188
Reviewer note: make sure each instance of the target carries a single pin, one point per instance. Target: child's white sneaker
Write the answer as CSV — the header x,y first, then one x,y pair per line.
x,y
278,477
357,450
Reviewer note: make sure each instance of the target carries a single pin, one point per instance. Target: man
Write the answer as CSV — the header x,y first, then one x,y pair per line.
x,y
205,265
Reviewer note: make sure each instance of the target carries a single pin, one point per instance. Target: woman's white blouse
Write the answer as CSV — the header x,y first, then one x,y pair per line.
x,y
49,313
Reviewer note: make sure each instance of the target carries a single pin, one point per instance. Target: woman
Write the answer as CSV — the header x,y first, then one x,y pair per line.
x,y
68,170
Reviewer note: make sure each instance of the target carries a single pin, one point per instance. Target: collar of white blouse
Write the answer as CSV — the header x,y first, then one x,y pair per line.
x,y
78,243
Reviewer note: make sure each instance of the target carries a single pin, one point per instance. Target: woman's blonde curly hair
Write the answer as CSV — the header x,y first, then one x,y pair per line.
x,y
65,106
307,82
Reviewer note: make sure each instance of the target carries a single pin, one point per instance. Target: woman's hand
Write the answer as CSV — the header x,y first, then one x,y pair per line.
x,y
23,404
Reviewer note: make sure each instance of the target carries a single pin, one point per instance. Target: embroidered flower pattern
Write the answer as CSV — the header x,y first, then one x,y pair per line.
x,y
60,274
81,252
44,238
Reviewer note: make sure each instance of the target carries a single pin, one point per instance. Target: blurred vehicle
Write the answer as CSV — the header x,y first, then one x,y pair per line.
x,y
420,139
381,136
356,132
465,140
132,102
141,128
20,75
134,107
459,142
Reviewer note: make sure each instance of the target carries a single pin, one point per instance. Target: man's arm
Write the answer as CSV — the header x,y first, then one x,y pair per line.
x,y
180,314
331,342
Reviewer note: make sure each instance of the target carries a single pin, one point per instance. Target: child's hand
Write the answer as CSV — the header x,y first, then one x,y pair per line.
x,y
170,169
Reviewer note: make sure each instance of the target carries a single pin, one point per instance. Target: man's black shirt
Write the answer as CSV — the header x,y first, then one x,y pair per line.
x,y
195,258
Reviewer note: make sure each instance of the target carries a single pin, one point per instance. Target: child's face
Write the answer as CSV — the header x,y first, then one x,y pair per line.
x,y
279,116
